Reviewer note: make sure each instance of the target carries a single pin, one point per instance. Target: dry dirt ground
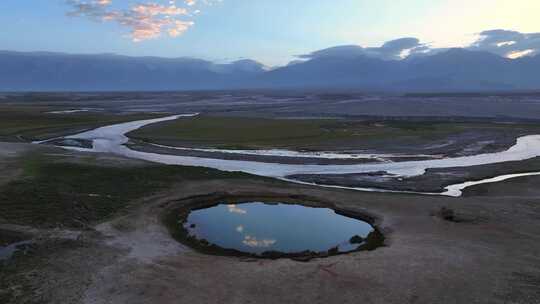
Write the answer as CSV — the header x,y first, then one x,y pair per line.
x,y
491,256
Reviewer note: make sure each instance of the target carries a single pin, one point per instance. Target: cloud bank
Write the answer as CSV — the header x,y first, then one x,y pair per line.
x,y
391,50
144,20
509,44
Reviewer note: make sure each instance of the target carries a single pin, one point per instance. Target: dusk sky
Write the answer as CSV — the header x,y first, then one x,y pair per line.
x,y
271,31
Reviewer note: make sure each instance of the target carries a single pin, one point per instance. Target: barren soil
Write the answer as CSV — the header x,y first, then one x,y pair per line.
x,y
489,257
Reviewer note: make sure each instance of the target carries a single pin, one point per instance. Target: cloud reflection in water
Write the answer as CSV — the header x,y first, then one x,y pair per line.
x,y
252,241
235,209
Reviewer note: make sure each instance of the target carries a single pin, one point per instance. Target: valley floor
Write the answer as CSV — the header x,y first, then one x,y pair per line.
x,y
488,254
88,227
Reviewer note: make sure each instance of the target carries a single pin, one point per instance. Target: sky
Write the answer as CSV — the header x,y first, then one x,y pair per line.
x,y
271,31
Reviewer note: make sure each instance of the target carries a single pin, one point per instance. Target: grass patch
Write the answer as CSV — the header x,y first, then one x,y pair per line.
x,y
253,133
54,194
34,123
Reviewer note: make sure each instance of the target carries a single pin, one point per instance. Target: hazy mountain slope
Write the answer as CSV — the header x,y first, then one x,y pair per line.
x,y
455,69
359,71
452,70
458,69
51,71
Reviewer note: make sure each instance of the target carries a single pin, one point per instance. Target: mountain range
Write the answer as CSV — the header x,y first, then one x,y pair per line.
x,y
450,70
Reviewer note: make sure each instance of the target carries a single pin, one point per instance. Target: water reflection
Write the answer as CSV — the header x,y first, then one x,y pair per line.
x,y
258,227
252,241
234,209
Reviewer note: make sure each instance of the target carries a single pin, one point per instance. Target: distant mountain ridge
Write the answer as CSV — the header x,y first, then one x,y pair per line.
x,y
56,71
451,70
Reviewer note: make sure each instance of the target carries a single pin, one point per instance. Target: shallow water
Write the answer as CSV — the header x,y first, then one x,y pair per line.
x,y
457,189
299,154
112,139
7,252
257,227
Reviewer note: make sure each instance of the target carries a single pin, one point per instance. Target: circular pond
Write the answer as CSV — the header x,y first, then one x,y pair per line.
x,y
274,229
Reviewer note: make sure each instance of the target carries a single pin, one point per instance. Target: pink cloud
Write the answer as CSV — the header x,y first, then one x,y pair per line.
x,y
103,2
144,20
153,9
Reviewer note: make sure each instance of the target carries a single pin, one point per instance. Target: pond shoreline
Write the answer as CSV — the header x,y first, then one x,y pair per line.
x,y
177,213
